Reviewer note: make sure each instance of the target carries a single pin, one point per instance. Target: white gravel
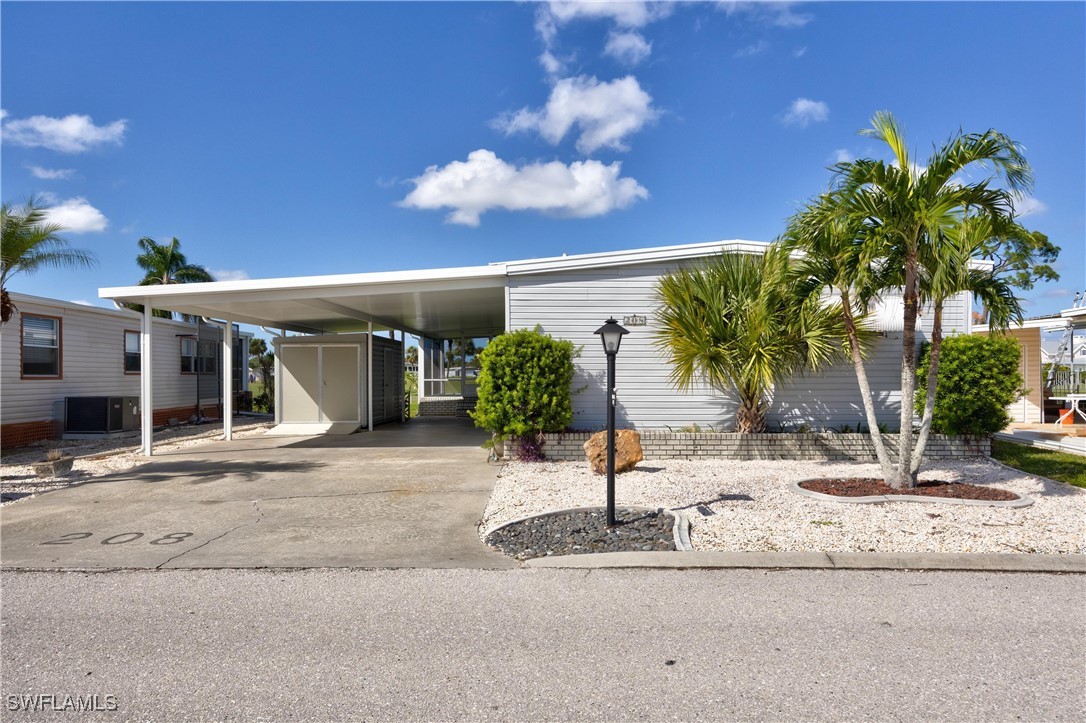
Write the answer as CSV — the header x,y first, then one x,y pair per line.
x,y
100,457
755,511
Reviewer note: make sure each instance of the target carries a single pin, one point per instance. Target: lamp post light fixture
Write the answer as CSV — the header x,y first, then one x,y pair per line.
x,y
611,334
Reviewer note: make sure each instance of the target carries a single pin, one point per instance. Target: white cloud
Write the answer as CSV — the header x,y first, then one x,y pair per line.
x,y
605,113
51,174
70,134
229,274
625,16
842,155
755,49
777,14
627,47
1028,206
76,215
799,52
81,302
804,111
484,182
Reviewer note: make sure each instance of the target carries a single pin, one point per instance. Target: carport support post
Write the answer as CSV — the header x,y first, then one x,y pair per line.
x,y
228,381
147,406
369,377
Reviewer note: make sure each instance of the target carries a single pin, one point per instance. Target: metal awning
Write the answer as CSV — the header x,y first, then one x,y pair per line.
x,y
439,303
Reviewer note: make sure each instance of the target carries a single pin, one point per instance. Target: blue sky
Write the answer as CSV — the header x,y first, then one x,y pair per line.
x,y
282,139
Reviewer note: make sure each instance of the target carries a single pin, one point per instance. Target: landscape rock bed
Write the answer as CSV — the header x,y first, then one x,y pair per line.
x,y
585,531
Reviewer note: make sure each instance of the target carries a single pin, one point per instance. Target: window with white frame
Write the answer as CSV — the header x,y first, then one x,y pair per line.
x,y
40,347
131,352
197,356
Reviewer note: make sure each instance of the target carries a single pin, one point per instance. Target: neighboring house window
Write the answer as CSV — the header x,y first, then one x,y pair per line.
x,y
131,352
41,347
197,358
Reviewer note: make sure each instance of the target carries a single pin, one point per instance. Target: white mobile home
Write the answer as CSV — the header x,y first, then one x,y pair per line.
x,y
456,311
52,351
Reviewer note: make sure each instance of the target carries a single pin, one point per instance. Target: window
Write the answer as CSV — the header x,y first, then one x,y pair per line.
x,y
131,352
41,347
197,358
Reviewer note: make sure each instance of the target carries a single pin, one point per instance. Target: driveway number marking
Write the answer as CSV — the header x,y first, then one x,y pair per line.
x,y
171,539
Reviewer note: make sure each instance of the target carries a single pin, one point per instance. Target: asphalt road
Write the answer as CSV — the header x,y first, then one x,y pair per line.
x,y
180,645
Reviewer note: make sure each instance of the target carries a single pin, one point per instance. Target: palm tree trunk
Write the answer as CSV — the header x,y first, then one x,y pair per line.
x,y
865,387
6,307
750,416
929,399
901,478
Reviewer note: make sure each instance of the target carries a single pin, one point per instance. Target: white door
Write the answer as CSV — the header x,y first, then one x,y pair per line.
x,y
301,383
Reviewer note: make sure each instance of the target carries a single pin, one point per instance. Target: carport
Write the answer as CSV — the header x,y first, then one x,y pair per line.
x,y
323,321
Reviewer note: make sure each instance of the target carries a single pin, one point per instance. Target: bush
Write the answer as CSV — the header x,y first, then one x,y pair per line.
x,y
524,387
978,378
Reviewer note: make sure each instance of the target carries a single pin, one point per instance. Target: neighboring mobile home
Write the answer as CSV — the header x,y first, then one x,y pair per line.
x,y
456,311
53,350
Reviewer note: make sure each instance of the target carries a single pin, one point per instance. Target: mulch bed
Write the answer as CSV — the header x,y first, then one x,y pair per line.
x,y
867,486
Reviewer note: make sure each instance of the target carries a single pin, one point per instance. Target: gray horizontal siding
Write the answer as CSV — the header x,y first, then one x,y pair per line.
x,y
93,363
573,304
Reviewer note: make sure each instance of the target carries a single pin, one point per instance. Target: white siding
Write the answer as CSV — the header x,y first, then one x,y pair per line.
x,y
92,361
573,304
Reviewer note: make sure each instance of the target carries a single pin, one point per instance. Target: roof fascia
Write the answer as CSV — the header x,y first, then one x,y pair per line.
x,y
630,257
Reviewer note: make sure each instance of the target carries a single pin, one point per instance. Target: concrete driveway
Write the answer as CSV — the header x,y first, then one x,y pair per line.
x,y
405,495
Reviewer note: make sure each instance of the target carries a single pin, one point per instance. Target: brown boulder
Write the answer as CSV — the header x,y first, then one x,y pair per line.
x,y
627,451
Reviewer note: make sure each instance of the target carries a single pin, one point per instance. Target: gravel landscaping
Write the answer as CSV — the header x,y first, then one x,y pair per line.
x,y
95,458
583,531
748,506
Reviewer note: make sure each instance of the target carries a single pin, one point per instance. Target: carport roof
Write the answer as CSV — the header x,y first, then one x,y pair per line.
x,y
439,303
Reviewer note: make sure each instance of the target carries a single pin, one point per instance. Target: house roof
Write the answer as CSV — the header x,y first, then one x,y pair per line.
x,y
441,303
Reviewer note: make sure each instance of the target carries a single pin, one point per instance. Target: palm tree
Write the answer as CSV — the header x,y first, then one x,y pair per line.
x,y
165,264
736,324
905,218
29,243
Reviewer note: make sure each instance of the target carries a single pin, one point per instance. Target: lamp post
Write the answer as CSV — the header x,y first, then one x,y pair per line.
x,y
611,334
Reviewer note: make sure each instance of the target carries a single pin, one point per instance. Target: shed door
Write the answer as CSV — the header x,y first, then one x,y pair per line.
x,y
340,383
301,383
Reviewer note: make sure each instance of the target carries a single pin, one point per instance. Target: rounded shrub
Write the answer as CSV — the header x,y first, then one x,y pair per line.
x,y
978,379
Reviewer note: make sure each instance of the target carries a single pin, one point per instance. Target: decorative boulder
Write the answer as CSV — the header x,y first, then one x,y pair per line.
x,y
627,451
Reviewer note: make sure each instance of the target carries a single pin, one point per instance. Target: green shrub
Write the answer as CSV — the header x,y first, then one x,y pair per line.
x,y
524,385
978,378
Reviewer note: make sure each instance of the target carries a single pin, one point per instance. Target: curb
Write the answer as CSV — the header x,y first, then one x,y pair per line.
x,y
1022,501
944,561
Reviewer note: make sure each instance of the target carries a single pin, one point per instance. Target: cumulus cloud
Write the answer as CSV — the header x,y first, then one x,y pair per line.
x,y
627,47
1028,206
842,155
625,16
51,174
484,182
754,49
804,111
776,14
70,134
229,274
604,113
76,215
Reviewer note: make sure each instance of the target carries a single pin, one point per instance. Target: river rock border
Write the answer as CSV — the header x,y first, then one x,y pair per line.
x,y
1022,501
800,447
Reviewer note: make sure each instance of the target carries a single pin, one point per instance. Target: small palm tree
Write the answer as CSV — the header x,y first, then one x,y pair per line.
x,y
30,243
737,324
165,264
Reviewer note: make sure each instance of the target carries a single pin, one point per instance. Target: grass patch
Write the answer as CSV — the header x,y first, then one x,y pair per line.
x,y
1060,466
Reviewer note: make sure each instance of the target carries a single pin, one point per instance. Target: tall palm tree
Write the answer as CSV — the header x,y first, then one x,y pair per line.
x,y
737,325
905,216
30,243
165,264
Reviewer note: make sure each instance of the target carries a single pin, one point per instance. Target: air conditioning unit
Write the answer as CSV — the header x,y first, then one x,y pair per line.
x,y
99,415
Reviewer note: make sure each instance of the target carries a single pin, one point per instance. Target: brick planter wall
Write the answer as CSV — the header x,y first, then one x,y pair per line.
x,y
446,407
800,447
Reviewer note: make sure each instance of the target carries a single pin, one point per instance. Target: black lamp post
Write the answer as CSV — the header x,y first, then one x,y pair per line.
x,y
611,334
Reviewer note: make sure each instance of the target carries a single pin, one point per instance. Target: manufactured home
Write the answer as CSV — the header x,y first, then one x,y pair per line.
x,y
69,369
343,382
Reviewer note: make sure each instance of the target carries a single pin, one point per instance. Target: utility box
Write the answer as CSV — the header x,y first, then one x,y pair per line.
x,y
100,415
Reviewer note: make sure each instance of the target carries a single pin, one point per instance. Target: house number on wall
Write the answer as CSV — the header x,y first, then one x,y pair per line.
x,y
635,320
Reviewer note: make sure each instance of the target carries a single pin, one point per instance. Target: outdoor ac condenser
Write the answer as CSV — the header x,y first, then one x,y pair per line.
x,y
91,415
